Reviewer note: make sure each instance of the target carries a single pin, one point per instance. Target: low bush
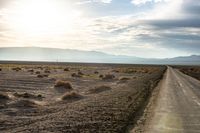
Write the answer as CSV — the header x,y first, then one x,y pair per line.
x,y
66,69
71,96
76,75
63,84
16,69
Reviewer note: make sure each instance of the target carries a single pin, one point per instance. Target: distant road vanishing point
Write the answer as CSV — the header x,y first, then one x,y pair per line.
x,y
177,109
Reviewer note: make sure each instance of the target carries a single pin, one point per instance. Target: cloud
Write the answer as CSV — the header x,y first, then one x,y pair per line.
x,y
142,2
170,26
82,2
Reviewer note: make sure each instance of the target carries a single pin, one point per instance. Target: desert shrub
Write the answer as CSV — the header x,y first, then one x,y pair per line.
x,y
66,69
40,76
96,72
16,69
45,75
41,68
39,96
76,75
71,96
100,89
80,73
124,79
31,70
47,71
108,77
24,95
38,72
4,96
63,84
101,76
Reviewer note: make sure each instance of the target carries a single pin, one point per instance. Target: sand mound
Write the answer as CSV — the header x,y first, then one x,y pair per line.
x,y
100,89
71,96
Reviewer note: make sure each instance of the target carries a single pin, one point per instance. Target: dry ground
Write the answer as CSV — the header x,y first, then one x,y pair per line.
x,y
73,97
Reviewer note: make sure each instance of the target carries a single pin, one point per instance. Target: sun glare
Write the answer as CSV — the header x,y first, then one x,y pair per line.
x,y
43,16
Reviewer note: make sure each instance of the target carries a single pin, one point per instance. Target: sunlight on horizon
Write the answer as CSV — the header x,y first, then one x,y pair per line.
x,y
35,17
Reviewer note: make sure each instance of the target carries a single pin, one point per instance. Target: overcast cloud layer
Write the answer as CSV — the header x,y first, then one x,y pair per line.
x,y
144,28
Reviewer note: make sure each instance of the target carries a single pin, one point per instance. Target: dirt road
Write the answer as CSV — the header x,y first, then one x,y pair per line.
x,y
177,109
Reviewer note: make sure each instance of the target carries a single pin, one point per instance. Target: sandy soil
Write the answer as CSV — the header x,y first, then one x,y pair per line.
x,y
32,103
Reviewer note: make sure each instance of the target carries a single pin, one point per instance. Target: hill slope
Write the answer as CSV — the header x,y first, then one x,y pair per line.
x,y
69,55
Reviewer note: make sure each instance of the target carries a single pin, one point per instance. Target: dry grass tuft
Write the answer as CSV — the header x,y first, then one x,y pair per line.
x,y
100,89
124,79
45,75
80,73
66,69
96,72
31,70
47,71
17,69
71,96
63,84
26,95
38,72
76,75
101,76
40,76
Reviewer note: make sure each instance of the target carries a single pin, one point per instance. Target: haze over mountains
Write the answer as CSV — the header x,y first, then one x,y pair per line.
x,y
68,55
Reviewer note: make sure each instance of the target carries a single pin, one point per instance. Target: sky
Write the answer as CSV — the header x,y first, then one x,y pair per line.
x,y
142,28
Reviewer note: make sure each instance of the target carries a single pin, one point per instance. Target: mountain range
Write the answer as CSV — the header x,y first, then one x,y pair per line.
x,y
70,55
